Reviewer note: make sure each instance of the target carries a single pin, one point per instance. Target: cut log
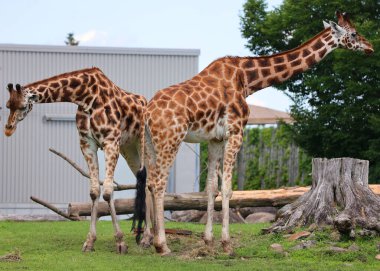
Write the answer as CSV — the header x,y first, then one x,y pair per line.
x,y
198,201
339,196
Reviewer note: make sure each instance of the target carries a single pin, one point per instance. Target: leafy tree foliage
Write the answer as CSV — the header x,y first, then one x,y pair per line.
x,y
271,160
337,102
70,40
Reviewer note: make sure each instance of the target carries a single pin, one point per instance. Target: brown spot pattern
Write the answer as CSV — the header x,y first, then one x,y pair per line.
x,y
292,56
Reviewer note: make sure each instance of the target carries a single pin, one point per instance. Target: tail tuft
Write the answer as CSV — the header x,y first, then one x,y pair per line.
x,y
139,213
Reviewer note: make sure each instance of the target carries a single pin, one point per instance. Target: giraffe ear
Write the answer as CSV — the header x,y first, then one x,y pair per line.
x,y
326,24
337,29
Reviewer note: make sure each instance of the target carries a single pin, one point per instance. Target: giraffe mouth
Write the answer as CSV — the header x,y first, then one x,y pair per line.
x,y
9,130
368,51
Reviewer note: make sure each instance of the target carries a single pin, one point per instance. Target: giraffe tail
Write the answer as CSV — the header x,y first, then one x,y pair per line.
x,y
140,206
139,212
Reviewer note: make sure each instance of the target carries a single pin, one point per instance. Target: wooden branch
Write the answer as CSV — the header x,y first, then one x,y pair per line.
x,y
71,162
198,201
118,187
53,208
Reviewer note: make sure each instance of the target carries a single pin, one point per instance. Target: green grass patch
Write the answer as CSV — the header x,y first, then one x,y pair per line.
x,y
57,246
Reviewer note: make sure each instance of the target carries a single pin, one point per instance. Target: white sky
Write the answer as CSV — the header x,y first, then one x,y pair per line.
x,y
213,26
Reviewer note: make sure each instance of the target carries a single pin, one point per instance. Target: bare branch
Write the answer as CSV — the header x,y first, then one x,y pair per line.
x,y
53,208
118,187
71,162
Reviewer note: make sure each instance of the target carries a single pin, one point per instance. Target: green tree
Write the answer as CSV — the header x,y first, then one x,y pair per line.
x,y
337,102
70,40
271,160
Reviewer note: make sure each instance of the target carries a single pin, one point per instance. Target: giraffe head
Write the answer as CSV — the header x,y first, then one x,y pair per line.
x,y
20,103
346,36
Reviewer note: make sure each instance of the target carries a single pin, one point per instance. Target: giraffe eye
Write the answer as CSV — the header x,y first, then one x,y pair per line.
x,y
354,34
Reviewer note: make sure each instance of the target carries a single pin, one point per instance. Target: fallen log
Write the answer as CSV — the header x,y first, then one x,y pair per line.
x,y
198,201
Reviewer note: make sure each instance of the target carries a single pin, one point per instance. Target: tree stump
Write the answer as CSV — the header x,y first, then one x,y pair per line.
x,y
339,196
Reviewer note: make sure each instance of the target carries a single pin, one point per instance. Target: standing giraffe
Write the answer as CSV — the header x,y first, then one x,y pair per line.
x,y
211,107
107,117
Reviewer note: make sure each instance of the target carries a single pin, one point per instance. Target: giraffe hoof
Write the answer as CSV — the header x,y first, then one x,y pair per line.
x,y
121,248
145,245
227,248
163,250
146,242
209,242
87,247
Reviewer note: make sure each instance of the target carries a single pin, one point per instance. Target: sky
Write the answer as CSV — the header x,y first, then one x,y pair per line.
x,y
213,26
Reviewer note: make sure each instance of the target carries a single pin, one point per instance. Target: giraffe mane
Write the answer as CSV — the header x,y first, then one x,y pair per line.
x,y
64,75
284,52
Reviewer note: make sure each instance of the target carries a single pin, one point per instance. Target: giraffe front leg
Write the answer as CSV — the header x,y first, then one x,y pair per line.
x,y
230,151
89,151
215,153
88,245
111,151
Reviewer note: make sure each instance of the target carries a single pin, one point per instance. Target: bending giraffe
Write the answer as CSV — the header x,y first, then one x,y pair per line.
x,y
107,117
211,107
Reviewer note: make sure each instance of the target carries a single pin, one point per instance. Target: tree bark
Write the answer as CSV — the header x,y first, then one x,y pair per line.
x,y
198,201
339,196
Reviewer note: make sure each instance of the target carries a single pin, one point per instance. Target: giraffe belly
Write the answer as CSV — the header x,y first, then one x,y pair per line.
x,y
195,137
218,133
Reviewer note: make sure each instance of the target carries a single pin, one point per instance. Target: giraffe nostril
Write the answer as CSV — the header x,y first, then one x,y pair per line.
x,y
8,126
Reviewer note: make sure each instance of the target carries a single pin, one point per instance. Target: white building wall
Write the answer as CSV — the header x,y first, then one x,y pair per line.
x,y
27,167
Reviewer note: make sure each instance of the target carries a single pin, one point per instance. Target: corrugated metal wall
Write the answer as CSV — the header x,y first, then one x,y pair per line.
x,y
26,166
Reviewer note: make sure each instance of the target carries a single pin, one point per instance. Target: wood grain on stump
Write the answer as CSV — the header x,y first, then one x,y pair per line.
x,y
339,196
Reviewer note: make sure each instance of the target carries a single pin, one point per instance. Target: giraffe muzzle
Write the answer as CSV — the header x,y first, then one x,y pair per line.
x,y
9,129
369,51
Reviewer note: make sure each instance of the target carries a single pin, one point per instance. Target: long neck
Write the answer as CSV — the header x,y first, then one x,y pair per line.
x,y
67,89
261,72
77,87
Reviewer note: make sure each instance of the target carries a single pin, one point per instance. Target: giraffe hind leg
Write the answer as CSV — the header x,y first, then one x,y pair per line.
x,y
230,151
131,154
215,153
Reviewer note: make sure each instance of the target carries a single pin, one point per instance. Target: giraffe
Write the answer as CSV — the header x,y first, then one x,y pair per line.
x,y
211,107
107,118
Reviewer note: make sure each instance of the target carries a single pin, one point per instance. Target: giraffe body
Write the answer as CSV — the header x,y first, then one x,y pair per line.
x,y
211,107
107,118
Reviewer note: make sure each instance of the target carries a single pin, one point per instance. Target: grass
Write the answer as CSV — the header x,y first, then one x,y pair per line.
x,y
57,246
